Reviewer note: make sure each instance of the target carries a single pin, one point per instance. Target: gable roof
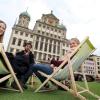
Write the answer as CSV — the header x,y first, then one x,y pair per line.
x,y
51,15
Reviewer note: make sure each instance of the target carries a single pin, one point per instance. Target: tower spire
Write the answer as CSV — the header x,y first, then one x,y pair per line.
x,y
27,9
51,11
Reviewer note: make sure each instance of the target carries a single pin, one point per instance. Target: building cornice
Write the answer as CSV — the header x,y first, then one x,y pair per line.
x,y
50,25
20,28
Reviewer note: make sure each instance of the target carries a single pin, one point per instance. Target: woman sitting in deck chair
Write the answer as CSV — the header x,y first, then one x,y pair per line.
x,y
2,31
74,42
10,56
48,69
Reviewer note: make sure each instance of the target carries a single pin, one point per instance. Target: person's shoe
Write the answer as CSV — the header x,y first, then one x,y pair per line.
x,y
3,84
25,86
13,85
66,83
46,85
48,88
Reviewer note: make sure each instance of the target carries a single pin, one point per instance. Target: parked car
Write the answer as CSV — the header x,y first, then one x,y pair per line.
x,y
79,77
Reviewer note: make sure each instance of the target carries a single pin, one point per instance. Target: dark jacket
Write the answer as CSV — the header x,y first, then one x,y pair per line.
x,y
22,61
56,63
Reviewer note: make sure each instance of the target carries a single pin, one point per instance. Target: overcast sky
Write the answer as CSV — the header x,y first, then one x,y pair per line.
x,y
81,17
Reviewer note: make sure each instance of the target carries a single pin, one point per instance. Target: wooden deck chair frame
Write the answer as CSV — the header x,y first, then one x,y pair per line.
x,y
74,86
9,70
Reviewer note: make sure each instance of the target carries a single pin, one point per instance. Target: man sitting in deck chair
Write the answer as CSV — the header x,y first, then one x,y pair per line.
x,y
21,65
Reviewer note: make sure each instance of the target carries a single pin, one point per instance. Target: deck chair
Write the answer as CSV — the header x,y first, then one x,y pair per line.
x,y
6,69
71,64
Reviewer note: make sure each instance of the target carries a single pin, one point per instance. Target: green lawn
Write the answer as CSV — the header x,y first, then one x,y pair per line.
x,y
54,95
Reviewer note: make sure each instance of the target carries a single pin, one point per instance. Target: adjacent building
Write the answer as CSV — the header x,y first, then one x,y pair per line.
x,y
97,64
89,67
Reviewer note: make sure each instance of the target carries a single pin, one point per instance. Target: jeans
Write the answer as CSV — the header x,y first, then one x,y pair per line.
x,y
43,68
34,68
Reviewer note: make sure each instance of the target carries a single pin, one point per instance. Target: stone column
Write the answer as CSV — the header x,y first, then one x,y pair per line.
x,y
39,43
44,44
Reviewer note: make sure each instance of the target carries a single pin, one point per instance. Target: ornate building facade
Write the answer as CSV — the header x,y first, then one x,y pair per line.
x,y
48,36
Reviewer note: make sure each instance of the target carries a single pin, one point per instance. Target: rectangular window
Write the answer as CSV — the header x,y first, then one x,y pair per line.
x,y
36,45
19,42
58,49
31,36
35,54
41,45
59,31
39,25
14,40
24,43
11,49
97,63
51,29
37,38
44,26
44,57
46,45
54,49
38,31
21,33
55,30
99,72
42,33
17,50
16,32
50,47
48,28
26,35
42,39
40,56
63,52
